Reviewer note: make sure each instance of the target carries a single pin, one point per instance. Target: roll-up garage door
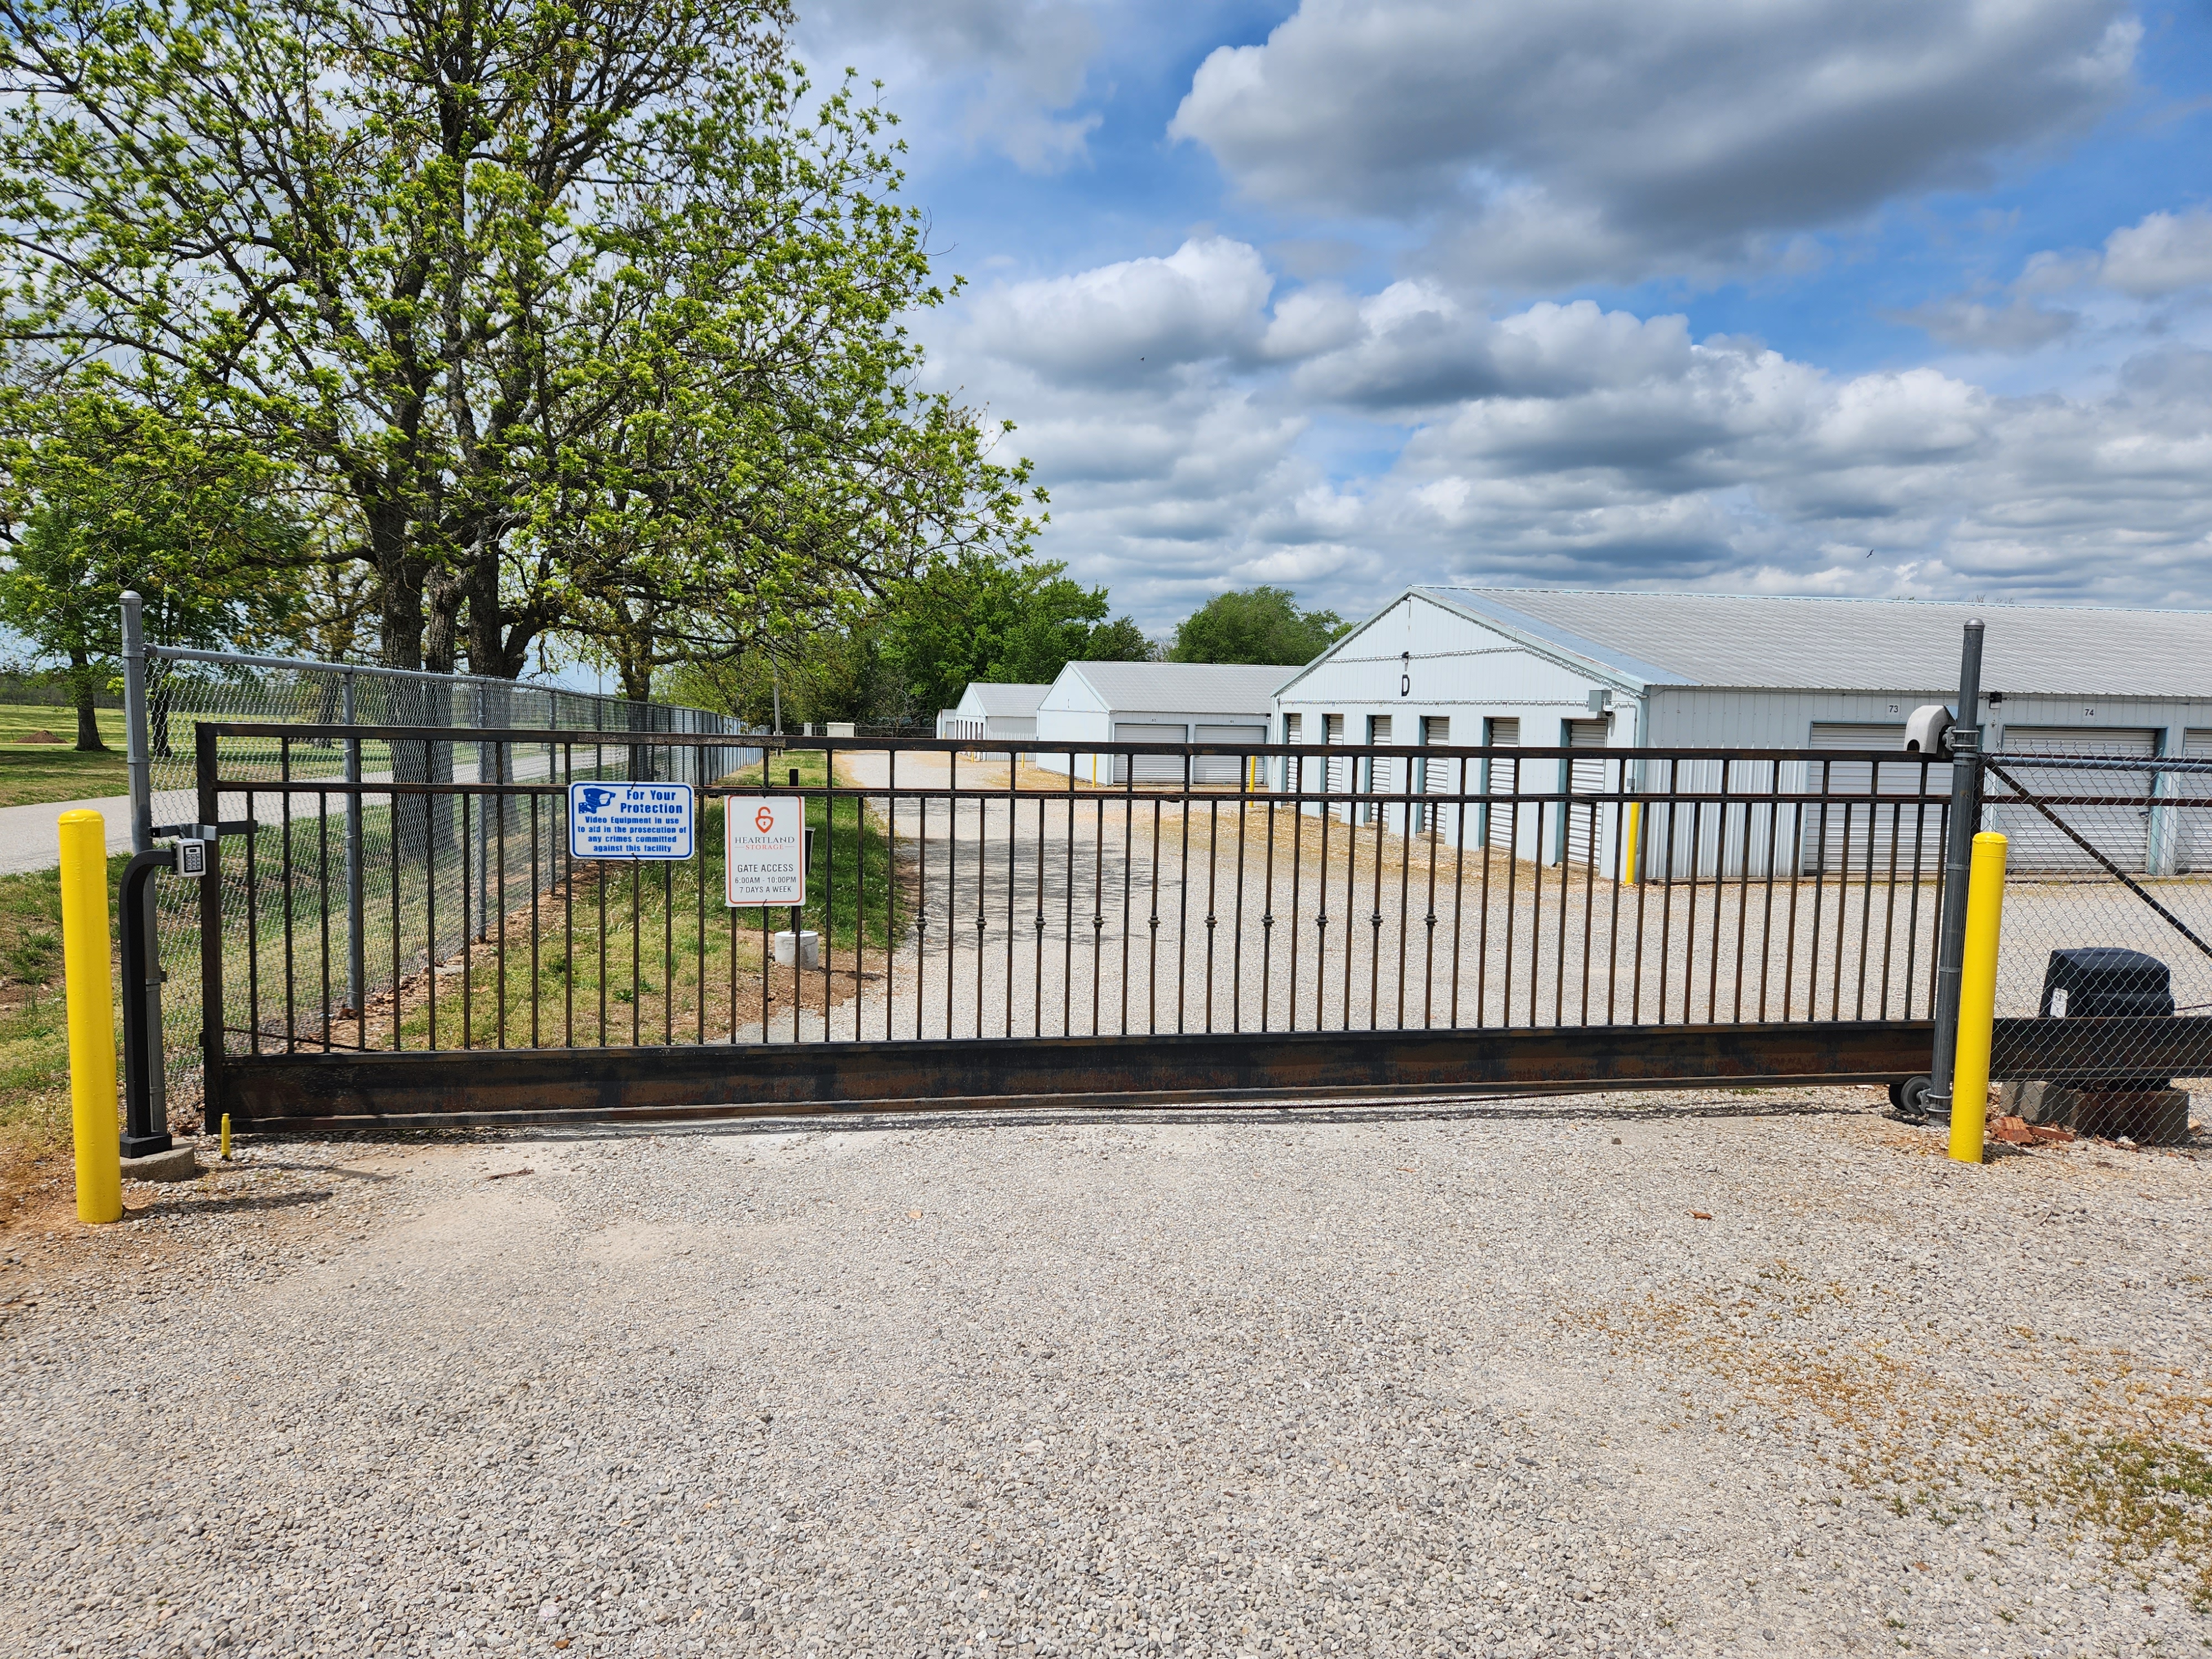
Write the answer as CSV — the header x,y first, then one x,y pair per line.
x,y
1440,776
1852,826
1502,778
1334,774
1151,768
2122,834
1224,769
2192,827
1381,774
1586,777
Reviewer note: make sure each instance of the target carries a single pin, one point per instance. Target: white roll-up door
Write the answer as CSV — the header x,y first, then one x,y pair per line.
x,y
1224,769
1151,768
1335,773
1440,776
2192,827
1586,777
1501,778
1381,773
1852,826
2121,833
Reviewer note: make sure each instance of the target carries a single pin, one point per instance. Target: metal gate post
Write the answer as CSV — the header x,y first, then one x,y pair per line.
x,y
356,944
1958,864
482,853
213,1014
138,763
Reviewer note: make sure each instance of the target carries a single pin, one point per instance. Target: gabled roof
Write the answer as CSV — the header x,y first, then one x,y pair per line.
x,y
1182,688
997,702
1762,642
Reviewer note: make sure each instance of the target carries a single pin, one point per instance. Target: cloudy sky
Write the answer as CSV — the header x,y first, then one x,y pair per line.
x,y
1826,296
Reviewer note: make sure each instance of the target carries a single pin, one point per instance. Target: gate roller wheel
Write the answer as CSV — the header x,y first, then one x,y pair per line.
x,y
1909,1098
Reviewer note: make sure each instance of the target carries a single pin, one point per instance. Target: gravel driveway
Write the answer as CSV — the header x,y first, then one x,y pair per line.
x,y
1469,1380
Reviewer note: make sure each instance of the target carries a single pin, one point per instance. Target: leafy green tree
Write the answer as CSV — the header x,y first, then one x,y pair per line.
x,y
585,316
1001,622
832,674
1259,625
116,501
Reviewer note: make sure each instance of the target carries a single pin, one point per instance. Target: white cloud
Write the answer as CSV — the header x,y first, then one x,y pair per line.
x,y
2163,254
1348,444
2017,326
1133,321
1610,139
2160,255
1011,67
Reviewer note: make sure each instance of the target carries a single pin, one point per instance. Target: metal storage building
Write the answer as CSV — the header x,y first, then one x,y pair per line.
x,y
1532,667
1157,702
993,711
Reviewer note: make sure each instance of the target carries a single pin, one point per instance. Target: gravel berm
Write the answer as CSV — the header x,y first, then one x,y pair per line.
x,y
1471,1379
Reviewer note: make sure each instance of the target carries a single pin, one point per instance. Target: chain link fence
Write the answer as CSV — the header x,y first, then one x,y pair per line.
x,y
2108,928
432,871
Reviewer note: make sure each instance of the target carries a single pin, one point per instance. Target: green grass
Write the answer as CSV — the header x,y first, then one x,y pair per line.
x,y
2151,1499
34,772
856,834
34,1111
623,953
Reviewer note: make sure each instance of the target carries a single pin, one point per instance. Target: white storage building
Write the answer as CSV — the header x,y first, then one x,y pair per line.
x,y
1157,702
1510,667
1007,712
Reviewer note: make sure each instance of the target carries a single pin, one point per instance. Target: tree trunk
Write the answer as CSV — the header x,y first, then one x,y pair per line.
x,y
87,716
398,585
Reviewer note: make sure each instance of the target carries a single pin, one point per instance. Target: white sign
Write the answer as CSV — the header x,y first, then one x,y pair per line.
x,y
764,838
629,821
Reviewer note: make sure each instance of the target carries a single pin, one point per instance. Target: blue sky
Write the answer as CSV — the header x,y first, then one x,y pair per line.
x,y
1715,294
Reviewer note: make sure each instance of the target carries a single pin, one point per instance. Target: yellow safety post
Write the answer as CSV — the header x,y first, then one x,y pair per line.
x,y
1977,998
226,1136
1635,840
90,987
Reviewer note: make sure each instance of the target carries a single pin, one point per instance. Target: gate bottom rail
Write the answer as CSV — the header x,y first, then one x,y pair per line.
x,y
432,1090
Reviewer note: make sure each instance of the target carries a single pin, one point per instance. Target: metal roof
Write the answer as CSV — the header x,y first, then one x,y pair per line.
x,y
1772,642
995,702
1184,688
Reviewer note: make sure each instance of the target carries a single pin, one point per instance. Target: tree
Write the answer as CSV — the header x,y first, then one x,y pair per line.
x,y
579,314
1261,625
1001,622
115,500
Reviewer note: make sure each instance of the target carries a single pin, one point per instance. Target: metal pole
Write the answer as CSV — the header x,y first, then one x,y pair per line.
x,y
1958,864
137,759
483,823
356,944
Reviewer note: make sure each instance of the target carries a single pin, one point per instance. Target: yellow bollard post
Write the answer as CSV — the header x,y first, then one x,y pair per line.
x,y
1634,843
226,1136
89,984
1977,998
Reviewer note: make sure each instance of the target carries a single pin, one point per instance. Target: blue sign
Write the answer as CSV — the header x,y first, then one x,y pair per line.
x,y
629,821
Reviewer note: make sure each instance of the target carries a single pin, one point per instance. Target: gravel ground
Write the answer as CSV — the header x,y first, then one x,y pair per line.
x,y
1468,1380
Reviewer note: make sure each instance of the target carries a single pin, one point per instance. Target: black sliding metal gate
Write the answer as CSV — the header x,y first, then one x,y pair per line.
x,y
1123,923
